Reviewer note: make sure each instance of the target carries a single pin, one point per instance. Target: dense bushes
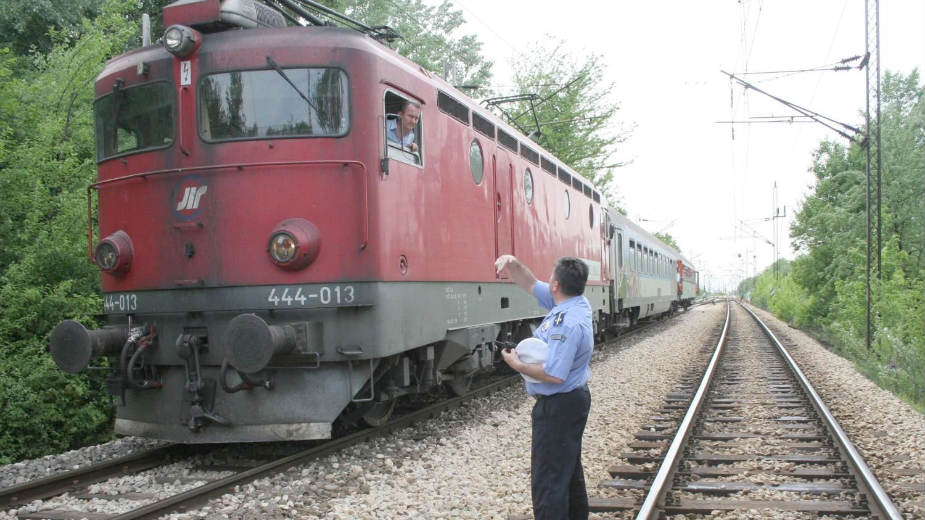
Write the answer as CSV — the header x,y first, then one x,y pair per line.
x,y
46,162
824,289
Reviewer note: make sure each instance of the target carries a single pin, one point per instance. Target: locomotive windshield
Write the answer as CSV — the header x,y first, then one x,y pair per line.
x,y
246,104
134,119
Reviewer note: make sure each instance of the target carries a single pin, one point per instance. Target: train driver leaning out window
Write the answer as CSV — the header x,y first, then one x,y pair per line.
x,y
400,130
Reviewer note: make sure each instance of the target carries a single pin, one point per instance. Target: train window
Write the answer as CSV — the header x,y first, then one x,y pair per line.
x,y
529,154
248,104
620,249
597,196
548,165
483,125
587,190
566,204
403,128
632,255
476,162
507,140
576,183
528,186
134,119
452,107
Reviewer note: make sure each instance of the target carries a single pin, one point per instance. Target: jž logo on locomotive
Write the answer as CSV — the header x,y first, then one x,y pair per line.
x,y
186,199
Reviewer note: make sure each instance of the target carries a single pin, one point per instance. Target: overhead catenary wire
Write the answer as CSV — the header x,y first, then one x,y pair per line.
x,y
837,66
819,118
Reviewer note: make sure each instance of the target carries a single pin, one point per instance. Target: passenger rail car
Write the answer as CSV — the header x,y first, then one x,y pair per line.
x,y
271,262
649,277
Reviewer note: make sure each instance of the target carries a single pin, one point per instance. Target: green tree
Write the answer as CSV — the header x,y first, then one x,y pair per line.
x,y
430,36
35,26
830,232
31,25
575,112
46,161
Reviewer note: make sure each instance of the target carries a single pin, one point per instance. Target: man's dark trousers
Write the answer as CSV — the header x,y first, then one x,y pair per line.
x,y
556,477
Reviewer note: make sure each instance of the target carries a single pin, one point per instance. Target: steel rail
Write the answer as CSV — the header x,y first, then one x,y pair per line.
x,y
184,501
669,465
56,484
879,502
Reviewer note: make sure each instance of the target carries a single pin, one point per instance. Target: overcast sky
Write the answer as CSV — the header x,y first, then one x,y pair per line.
x,y
687,175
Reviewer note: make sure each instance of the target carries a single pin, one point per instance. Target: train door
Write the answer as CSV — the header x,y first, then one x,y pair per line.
x,y
501,173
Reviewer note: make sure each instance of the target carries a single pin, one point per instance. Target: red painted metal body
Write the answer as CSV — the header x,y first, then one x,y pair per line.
x,y
448,227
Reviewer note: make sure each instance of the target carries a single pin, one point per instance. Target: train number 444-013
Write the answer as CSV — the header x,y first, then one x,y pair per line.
x,y
299,297
120,302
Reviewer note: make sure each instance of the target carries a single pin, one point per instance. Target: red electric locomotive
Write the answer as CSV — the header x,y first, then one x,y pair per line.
x,y
272,261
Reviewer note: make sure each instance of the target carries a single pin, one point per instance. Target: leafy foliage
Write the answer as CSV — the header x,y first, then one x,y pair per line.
x,y
574,111
825,288
35,26
46,162
30,25
430,36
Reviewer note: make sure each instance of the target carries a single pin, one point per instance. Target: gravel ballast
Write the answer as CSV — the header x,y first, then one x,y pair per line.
x,y
473,462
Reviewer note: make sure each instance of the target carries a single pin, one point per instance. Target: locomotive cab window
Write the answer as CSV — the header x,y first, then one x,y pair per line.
x,y
272,104
134,119
403,129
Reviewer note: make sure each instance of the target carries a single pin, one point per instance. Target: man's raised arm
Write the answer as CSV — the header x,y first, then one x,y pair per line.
x,y
518,272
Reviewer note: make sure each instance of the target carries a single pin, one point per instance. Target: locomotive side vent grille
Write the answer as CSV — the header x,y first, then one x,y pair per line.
x,y
453,107
565,177
483,125
548,165
529,154
507,140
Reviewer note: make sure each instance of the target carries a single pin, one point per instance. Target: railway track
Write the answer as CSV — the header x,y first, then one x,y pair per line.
x,y
76,482
751,433
214,474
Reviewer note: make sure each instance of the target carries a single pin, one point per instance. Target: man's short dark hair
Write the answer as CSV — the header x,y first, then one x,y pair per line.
x,y
572,275
405,103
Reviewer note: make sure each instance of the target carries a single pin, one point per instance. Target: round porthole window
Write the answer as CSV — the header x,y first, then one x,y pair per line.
x,y
566,204
476,164
528,186
591,215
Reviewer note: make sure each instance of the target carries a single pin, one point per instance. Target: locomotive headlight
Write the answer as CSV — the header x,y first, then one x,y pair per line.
x,y
106,256
294,243
282,247
181,40
114,253
173,39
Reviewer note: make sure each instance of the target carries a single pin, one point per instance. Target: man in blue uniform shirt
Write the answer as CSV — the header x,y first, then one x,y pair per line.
x,y
557,480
